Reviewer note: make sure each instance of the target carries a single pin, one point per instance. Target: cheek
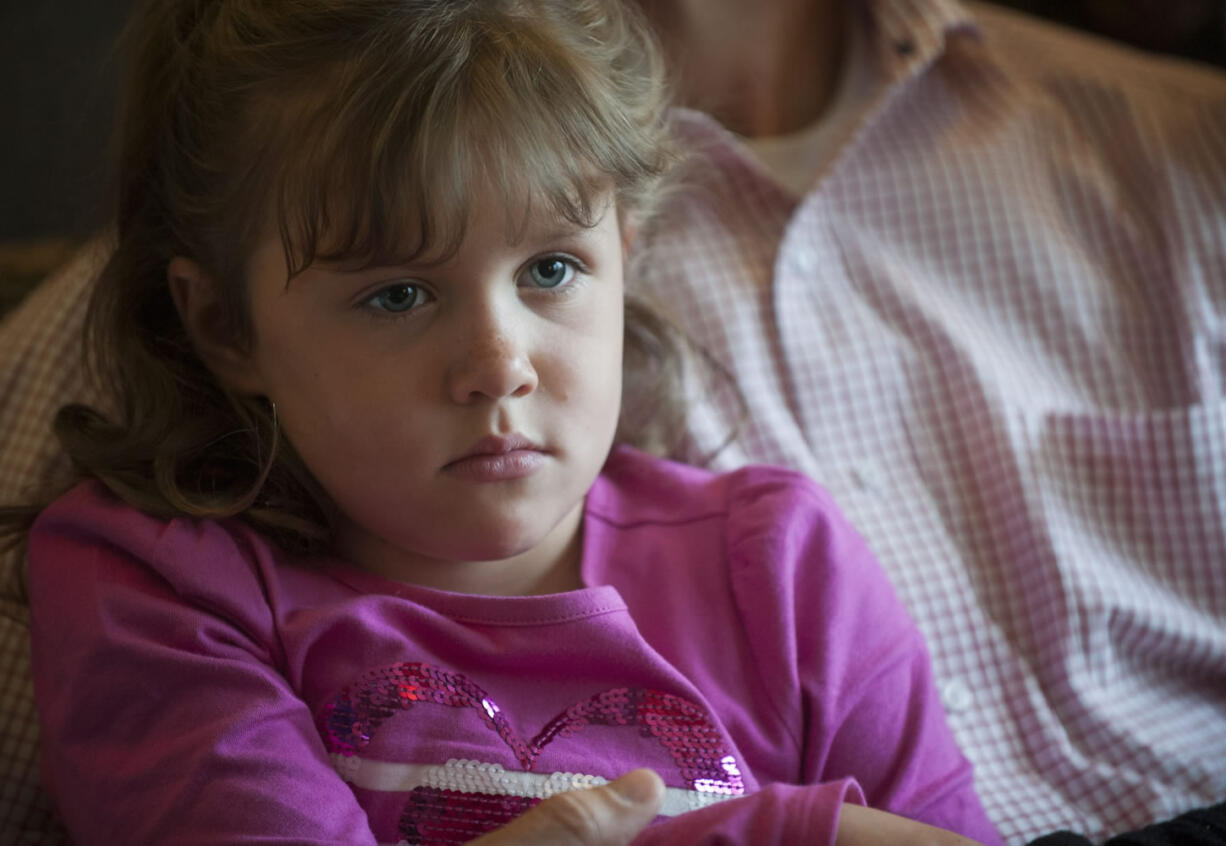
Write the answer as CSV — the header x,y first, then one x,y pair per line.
x,y
602,379
603,336
331,397
582,373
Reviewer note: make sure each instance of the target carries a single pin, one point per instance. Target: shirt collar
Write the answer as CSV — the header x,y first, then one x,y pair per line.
x,y
906,38
909,35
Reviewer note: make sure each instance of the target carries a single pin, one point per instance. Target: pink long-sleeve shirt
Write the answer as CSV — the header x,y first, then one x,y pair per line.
x,y
198,685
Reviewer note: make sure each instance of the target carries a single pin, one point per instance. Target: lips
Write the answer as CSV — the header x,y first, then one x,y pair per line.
x,y
498,458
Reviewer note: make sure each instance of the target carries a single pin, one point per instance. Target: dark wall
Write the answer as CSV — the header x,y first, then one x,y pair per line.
x,y
56,87
1195,29
56,82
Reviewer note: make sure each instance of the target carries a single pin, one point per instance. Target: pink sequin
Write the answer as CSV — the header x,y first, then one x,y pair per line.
x,y
703,759
445,817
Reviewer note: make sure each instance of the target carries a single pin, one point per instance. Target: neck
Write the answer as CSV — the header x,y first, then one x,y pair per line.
x,y
760,67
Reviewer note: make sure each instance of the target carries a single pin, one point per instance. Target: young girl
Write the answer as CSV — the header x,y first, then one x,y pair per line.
x,y
359,561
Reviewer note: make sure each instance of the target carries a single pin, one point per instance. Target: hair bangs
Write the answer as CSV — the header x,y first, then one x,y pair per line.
x,y
382,163
532,133
347,189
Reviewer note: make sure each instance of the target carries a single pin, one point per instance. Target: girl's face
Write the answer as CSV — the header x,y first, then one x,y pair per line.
x,y
456,412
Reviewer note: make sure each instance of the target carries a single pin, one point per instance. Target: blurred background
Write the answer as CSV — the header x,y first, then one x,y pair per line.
x,y
57,79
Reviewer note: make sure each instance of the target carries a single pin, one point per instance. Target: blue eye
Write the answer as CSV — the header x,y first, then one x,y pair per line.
x,y
551,272
399,298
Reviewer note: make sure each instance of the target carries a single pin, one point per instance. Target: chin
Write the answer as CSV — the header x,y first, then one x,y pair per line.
x,y
497,545
495,551
503,533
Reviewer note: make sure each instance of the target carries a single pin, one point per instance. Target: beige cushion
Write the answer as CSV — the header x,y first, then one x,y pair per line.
x,y
40,369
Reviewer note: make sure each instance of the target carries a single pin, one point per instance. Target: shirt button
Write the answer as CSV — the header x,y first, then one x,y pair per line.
x,y
867,477
802,262
956,696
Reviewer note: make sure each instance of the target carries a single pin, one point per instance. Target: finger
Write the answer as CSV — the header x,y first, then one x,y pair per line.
x,y
861,826
610,815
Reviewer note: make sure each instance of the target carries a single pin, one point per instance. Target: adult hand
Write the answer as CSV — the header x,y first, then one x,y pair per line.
x,y
610,815
861,826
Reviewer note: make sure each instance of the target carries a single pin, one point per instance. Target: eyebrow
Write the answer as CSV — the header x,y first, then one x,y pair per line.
x,y
559,226
555,228
559,232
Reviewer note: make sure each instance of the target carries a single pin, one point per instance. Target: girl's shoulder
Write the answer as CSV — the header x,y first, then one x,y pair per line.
x,y
91,532
90,509
636,488
770,538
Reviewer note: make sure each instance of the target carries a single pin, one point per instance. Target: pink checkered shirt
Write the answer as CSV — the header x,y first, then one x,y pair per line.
x,y
995,329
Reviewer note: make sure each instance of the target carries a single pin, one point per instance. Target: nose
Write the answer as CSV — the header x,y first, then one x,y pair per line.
x,y
493,364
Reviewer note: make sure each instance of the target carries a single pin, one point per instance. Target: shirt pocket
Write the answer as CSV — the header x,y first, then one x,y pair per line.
x,y
1134,506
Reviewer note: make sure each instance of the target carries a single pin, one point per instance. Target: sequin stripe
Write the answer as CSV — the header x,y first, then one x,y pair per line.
x,y
479,777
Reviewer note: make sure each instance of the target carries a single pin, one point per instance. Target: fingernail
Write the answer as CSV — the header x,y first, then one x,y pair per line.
x,y
638,786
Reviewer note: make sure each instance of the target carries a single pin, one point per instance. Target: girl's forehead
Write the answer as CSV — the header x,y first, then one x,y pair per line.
x,y
410,213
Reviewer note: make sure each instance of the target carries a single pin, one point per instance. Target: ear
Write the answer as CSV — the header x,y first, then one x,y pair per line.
x,y
629,223
198,300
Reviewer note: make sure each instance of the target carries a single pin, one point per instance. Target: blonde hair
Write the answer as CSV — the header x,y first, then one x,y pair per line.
x,y
360,127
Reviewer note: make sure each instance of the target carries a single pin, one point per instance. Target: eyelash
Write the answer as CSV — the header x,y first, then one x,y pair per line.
x,y
574,265
387,312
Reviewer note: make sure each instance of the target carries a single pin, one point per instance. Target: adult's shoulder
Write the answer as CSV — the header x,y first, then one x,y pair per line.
x,y
1053,55
1134,138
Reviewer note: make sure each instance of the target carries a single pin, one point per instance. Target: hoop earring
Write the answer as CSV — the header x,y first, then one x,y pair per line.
x,y
274,436
265,462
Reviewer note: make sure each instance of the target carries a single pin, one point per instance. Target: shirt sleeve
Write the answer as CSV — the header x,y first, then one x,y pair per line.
x,y
853,675
165,718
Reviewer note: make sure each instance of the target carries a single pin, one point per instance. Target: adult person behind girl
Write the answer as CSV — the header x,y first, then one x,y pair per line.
x,y
969,271
355,562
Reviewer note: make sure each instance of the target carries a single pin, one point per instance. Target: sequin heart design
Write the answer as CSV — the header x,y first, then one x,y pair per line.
x,y
354,716
435,817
